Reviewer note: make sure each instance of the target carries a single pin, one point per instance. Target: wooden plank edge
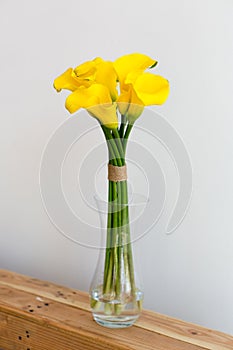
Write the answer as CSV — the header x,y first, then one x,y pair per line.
x,y
177,329
67,330
186,332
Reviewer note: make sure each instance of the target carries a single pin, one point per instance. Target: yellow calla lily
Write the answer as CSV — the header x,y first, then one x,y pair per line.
x,y
132,62
138,88
97,101
100,72
129,104
144,90
106,75
96,71
69,81
106,114
151,89
94,83
86,70
82,75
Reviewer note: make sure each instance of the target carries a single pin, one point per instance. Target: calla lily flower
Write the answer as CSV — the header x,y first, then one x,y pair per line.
x,y
93,86
105,74
97,101
129,104
88,73
134,62
94,83
151,89
72,79
68,81
138,88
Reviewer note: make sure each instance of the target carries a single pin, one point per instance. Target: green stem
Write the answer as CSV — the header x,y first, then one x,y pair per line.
x,y
122,127
119,145
108,254
118,255
108,136
114,147
120,244
127,243
127,132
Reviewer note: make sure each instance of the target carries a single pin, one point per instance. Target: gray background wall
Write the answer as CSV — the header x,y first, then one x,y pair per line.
x,y
189,274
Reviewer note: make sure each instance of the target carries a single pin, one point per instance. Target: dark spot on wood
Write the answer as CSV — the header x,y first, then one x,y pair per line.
x,y
46,304
194,333
19,337
39,306
31,310
59,294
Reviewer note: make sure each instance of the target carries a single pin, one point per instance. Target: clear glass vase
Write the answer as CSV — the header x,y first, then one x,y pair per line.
x,y
116,293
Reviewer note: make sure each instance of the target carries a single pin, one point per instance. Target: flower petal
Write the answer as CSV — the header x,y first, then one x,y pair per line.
x,y
86,70
123,101
132,62
80,98
106,75
151,89
67,80
106,114
97,100
129,104
101,92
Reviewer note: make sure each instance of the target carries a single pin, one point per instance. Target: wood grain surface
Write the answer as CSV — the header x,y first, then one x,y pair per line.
x,y
36,314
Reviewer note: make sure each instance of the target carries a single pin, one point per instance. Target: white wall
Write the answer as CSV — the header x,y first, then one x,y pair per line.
x,y
193,268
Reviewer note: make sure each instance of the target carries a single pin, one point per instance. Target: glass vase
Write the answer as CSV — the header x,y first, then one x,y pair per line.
x,y
116,293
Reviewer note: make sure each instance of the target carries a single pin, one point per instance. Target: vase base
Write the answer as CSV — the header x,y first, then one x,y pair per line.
x,y
115,313
115,322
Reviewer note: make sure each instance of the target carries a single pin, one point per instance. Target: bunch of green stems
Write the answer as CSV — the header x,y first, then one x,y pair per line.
x,y
118,278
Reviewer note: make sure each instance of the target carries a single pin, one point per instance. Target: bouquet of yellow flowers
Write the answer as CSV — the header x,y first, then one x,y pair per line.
x,y
115,94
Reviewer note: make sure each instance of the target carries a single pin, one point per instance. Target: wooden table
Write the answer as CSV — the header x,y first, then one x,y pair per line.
x,y
40,315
